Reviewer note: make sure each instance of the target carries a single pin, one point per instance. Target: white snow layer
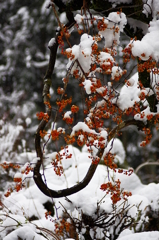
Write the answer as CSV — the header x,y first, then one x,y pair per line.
x,y
129,93
149,45
28,202
82,53
117,20
140,236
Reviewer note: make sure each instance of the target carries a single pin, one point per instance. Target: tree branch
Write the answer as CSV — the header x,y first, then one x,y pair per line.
x,y
76,188
124,124
145,164
40,182
134,9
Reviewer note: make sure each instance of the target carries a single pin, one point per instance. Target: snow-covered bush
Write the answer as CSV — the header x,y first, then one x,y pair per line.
x,y
84,192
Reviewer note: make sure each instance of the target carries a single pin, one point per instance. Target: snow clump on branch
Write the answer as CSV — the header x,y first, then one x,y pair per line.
x,y
149,45
81,53
116,22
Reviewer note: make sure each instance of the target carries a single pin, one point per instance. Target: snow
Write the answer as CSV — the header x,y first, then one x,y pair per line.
x,y
24,233
115,146
45,6
151,7
82,126
87,86
28,202
143,115
78,18
116,72
18,175
129,94
69,239
63,17
51,42
141,236
82,53
105,58
113,20
142,48
149,45
67,114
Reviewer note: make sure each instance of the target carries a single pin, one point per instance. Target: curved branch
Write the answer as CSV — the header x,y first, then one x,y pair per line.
x,y
64,192
124,124
145,164
76,188
37,175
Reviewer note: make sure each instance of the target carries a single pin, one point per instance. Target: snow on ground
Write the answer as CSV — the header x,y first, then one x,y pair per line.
x,y
139,236
29,201
24,233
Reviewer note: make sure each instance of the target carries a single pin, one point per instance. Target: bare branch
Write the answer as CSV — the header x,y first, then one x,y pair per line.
x,y
146,164
124,124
